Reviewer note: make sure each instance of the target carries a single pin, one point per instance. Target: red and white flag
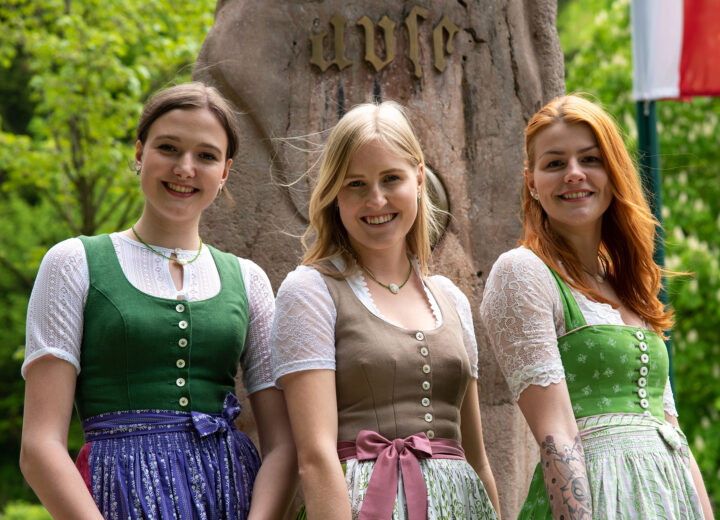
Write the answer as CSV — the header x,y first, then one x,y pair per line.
x,y
676,48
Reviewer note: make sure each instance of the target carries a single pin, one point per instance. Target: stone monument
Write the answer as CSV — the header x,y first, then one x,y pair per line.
x,y
470,72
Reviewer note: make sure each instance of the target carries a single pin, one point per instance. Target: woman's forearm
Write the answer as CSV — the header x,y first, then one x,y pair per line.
x,y
325,490
275,485
566,481
51,473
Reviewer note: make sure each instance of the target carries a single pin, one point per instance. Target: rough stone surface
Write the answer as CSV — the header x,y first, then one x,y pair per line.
x,y
505,63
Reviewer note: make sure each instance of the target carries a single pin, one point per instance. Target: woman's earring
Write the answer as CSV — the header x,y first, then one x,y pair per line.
x,y
419,195
220,188
535,195
138,167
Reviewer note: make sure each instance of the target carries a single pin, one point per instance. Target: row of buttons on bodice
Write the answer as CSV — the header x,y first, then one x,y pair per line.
x,y
426,384
181,362
642,379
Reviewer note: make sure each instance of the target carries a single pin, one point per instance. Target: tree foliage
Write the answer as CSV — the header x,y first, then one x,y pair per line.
x,y
75,74
596,39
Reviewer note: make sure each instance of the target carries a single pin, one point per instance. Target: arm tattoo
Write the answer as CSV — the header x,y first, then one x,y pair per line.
x,y
566,480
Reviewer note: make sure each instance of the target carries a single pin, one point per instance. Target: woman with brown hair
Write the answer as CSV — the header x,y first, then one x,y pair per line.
x,y
377,359
575,322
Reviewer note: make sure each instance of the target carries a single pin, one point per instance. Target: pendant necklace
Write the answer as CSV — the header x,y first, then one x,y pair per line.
x,y
393,288
180,261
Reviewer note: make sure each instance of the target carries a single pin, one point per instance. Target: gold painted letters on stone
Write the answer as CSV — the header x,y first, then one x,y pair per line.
x,y
338,23
388,28
411,22
438,50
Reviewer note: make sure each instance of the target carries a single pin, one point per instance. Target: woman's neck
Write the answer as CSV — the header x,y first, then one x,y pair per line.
x,y
386,265
167,235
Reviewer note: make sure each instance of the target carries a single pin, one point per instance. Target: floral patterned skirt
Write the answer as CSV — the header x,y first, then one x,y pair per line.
x,y
168,465
638,467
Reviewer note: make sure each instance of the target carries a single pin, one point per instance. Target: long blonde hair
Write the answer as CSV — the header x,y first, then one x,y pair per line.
x,y
628,227
326,237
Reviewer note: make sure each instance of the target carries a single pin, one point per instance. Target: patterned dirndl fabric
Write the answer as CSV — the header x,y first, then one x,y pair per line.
x,y
638,467
163,464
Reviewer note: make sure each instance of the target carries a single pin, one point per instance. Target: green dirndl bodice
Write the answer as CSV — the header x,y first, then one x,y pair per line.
x,y
637,463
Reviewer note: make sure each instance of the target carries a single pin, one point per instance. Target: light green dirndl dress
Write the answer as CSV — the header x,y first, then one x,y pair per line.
x,y
637,463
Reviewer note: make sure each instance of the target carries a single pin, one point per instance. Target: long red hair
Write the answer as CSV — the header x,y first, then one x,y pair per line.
x,y
628,227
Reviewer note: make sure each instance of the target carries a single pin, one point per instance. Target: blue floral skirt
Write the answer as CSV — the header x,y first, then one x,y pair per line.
x,y
161,464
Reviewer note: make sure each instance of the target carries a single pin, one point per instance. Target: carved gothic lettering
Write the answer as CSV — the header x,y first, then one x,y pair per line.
x,y
411,22
438,47
388,28
338,23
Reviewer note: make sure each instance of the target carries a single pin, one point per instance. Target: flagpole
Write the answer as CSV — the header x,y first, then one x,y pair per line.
x,y
649,164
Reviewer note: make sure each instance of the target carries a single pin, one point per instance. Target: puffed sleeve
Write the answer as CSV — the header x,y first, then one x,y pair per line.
x,y
57,304
518,314
256,360
303,332
465,313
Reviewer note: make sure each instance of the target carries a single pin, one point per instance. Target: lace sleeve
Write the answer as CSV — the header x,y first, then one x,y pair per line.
x,y
465,312
518,314
669,400
57,304
256,359
303,332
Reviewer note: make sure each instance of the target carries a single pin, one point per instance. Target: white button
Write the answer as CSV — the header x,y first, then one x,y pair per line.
x,y
425,401
426,369
644,358
183,324
182,342
180,363
180,307
642,393
647,412
426,385
642,382
430,434
643,371
183,401
419,336
180,381
428,417
642,346
424,351
644,403
639,335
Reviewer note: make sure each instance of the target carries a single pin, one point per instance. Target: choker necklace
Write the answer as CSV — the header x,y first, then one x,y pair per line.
x,y
180,261
393,288
599,278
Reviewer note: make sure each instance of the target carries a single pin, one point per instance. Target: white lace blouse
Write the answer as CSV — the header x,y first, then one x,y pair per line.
x,y
55,312
523,316
303,333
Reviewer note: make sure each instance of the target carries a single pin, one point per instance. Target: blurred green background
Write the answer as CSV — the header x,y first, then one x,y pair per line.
x,y
75,72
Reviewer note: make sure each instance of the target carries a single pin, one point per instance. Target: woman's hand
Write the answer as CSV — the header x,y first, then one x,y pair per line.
x,y
312,406
549,414
44,459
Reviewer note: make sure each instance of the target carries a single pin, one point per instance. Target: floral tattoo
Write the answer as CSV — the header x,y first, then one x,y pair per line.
x,y
566,480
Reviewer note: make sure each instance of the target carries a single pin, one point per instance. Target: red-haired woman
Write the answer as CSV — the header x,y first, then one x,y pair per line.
x,y
575,322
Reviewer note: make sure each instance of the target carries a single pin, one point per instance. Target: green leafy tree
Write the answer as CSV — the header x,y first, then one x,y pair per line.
x,y
596,39
75,74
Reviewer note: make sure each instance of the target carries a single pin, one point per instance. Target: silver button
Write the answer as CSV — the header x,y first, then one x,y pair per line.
x,y
430,434
426,385
428,417
642,382
642,346
644,358
644,403
643,371
182,342
639,335
180,363
426,369
424,351
183,324
642,393
180,381
425,401
419,336
180,307
183,401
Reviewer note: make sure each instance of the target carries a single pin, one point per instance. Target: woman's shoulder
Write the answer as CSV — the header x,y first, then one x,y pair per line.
x,y
303,278
448,286
518,261
70,250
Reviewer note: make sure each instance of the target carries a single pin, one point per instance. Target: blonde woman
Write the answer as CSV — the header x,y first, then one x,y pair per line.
x,y
377,359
